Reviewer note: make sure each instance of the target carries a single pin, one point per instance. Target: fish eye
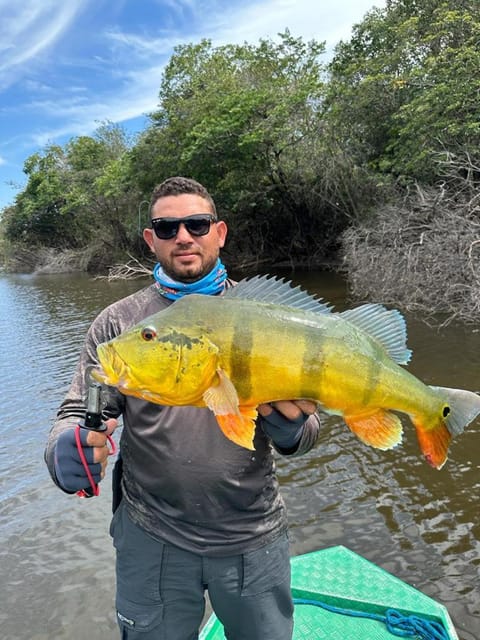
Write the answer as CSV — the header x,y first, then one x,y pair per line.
x,y
148,333
446,411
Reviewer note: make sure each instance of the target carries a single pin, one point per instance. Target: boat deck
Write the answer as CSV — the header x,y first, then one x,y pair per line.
x,y
340,578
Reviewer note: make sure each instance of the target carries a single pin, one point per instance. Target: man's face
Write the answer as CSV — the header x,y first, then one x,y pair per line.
x,y
186,257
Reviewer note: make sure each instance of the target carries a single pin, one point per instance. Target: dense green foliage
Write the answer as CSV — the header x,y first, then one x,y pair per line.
x,y
294,150
403,90
247,121
75,195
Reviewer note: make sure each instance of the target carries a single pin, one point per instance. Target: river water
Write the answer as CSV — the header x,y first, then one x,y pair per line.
x,y
56,560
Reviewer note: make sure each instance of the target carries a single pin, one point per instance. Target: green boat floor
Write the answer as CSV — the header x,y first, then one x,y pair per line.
x,y
341,578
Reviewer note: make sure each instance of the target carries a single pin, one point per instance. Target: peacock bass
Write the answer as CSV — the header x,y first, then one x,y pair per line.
x,y
264,340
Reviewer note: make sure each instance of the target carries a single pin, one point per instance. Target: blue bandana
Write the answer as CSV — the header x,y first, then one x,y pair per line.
x,y
210,285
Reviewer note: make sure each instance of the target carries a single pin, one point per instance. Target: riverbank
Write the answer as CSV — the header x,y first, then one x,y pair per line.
x,y
421,254
45,260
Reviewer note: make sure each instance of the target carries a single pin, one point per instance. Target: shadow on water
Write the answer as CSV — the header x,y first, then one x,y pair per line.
x,y
391,507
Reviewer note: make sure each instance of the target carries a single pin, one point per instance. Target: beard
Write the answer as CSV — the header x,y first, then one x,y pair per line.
x,y
188,271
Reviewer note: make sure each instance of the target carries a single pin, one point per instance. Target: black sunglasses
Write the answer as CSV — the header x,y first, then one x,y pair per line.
x,y
196,225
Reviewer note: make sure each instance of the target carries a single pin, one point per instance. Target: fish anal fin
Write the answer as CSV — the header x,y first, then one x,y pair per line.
x,y
434,443
237,423
381,429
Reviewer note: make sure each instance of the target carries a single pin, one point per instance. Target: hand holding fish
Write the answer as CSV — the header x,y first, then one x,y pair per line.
x,y
284,420
291,409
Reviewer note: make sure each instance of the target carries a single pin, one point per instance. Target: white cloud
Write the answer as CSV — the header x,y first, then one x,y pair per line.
x,y
310,19
145,47
82,115
29,27
2,160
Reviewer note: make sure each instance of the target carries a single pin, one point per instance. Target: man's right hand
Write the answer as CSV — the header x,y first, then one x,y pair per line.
x,y
69,470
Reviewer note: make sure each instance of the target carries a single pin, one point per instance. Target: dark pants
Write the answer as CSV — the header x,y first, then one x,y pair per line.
x,y
161,588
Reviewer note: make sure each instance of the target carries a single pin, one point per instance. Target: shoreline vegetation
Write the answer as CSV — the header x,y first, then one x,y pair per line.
x,y
368,164
420,255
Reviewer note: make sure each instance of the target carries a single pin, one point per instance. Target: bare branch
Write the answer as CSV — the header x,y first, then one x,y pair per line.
x,y
128,271
422,256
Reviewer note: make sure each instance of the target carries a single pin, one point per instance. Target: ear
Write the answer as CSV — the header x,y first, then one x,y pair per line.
x,y
149,239
222,230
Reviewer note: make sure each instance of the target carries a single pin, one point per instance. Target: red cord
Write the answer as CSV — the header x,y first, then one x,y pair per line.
x,y
82,493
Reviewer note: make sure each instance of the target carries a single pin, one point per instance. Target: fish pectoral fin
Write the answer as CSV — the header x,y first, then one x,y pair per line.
x,y
381,429
222,398
237,423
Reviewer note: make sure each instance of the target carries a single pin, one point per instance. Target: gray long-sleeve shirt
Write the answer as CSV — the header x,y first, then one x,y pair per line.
x,y
183,481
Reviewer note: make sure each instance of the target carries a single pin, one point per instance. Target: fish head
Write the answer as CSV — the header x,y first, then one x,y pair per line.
x,y
162,365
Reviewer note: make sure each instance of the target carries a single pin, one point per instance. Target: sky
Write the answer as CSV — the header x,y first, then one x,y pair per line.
x,y
66,67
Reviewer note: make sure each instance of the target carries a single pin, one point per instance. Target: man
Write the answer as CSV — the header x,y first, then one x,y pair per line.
x,y
193,511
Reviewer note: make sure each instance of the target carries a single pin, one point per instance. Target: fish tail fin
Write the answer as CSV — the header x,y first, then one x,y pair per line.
x,y
460,408
239,428
380,429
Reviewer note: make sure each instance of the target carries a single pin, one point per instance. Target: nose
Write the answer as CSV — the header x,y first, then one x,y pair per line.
x,y
183,235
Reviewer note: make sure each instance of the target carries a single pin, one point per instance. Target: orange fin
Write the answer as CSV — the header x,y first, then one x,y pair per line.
x,y
434,443
382,429
240,429
237,423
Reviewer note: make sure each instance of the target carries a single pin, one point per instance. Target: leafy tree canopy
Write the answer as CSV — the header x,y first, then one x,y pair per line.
x,y
73,193
403,90
246,120
293,150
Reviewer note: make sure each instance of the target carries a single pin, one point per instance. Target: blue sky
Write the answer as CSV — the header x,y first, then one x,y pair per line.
x,y
68,66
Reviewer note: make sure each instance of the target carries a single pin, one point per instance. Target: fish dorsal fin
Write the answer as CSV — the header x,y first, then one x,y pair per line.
x,y
273,290
385,325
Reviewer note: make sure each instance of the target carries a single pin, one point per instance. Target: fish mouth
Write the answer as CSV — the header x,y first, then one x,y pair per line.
x,y
113,370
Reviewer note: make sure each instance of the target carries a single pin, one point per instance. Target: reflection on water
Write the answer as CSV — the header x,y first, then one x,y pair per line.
x,y
391,507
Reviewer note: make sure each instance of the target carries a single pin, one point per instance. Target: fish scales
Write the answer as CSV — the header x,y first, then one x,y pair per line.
x,y
295,355
247,338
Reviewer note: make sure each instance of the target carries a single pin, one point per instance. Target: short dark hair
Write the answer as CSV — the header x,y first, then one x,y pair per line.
x,y
178,186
